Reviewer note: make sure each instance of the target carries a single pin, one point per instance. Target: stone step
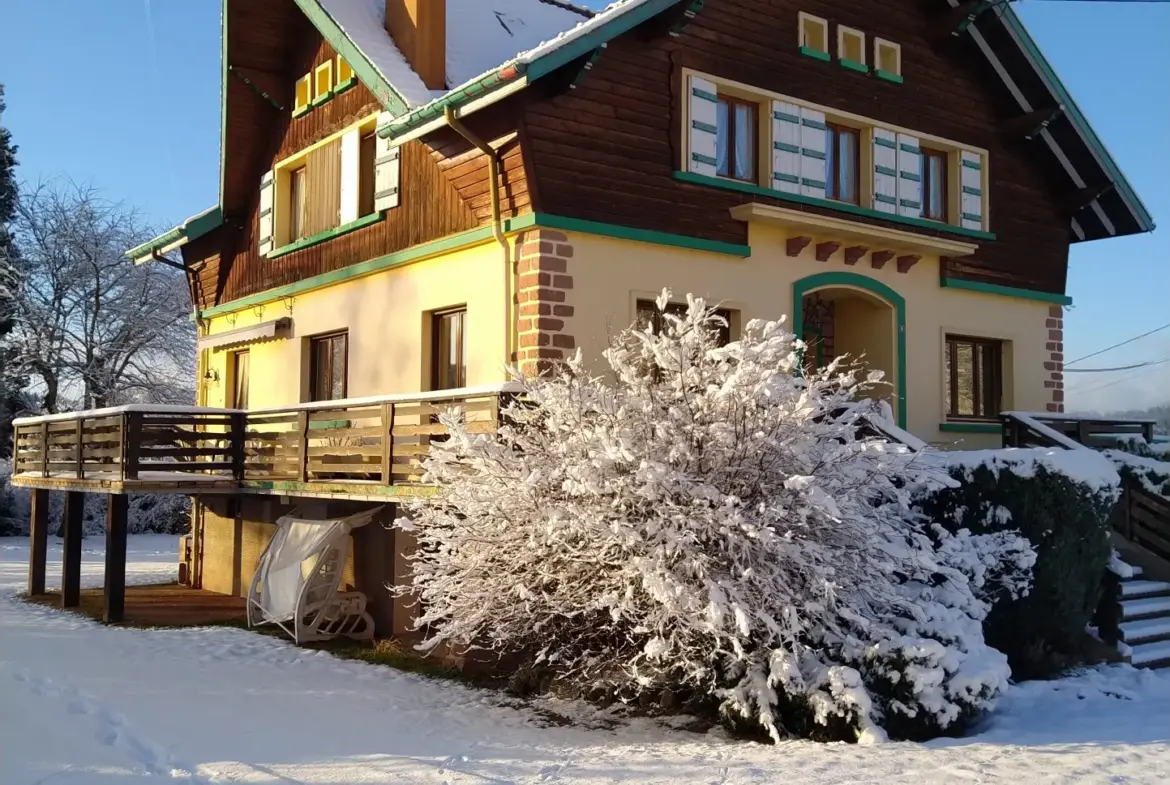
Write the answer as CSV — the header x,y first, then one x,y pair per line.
x,y
1151,655
1145,631
1145,609
1135,589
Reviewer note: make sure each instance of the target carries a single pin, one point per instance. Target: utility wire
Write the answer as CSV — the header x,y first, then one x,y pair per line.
x,y
1118,368
1114,382
1123,343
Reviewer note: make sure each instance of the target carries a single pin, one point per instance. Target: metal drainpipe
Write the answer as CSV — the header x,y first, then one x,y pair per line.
x,y
493,157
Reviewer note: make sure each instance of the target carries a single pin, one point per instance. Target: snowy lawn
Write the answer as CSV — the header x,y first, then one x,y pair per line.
x,y
81,703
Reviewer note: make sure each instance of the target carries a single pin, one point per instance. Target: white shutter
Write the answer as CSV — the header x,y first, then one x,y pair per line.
x,y
812,153
703,134
351,162
786,147
885,170
386,174
267,194
971,190
909,176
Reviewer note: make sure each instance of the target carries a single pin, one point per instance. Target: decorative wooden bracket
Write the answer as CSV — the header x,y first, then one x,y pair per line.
x,y
587,66
797,244
825,250
907,261
1083,197
961,17
690,12
853,254
878,259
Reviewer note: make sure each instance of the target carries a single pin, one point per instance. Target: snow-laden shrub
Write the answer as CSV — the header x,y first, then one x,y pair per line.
x,y
1060,500
1144,467
699,521
13,507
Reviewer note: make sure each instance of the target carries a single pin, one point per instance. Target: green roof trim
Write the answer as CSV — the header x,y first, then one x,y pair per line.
x,y
1019,32
1004,291
194,227
373,79
435,109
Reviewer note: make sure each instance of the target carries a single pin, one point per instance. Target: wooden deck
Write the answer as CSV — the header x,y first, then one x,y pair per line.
x,y
364,449
168,605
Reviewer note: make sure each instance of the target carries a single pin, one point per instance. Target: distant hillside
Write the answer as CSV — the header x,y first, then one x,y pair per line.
x,y
1159,414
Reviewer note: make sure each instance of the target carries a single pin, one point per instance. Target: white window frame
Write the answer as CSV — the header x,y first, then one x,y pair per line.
x,y
878,43
804,16
842,32
319,95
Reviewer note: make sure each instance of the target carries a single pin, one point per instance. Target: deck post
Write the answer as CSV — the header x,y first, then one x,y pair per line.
x,y
38,536
80,455
115,584
387,444
238,430
131,443
71,558
303,442
44,449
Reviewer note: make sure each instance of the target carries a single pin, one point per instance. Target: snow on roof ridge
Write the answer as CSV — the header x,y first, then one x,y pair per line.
x,y
363,23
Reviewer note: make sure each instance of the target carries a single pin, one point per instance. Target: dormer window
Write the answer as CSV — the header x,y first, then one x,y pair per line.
x,y
323,82
304,95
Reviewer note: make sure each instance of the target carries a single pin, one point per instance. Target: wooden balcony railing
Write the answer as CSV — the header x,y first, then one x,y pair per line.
x,y
376,444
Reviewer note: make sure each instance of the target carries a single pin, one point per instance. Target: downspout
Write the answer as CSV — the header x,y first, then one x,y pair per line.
x,y
493,157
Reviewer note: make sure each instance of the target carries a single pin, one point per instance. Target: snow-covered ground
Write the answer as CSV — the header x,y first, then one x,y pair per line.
x,y
81,703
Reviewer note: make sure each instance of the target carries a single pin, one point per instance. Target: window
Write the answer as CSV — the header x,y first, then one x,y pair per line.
x,y
303,95
366,175
736,138
842,163
344,73
328,367
240,365
297,204
887,59
322,81
934,184
649,316
973,376
449,353
850,45
814,35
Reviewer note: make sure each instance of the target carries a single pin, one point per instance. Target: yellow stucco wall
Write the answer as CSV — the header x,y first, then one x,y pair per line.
x,y
387,317
611,275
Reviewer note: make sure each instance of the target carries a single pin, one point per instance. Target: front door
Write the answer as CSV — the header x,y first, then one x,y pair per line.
x,y
240,380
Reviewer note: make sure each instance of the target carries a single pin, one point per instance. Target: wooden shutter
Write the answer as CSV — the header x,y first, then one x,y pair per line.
x,y
703,135
351,161
323,196
909,176
267,193
812,153
386,174
785,147
885,170
971,190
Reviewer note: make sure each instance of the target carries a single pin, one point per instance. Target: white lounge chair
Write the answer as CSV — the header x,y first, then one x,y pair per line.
x,y
296,584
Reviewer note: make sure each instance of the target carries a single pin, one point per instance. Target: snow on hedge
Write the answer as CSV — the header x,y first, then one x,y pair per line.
x,y
1153,474
1080,465
703,519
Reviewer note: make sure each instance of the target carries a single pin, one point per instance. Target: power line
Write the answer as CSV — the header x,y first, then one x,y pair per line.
x,y
1116,345
1118,368
1113,383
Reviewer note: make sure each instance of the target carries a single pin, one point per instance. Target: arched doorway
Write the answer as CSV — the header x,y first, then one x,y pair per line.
x,y
847,313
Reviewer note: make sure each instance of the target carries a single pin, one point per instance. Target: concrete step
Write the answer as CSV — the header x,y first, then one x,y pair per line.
x,y
1145,609
1145,631
1151,655
1134,589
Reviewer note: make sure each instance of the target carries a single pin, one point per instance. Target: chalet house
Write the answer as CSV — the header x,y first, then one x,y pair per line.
x,y
415,193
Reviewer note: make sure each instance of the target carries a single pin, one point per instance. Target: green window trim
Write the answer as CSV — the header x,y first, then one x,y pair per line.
x,y
816,54
341,87
976,165
698,92
1004,291
704,159
886,171
817,154
317,101
880,142
956,426
304,110
817,124
786,147
839,207
888,76
788,118
328,234
913,177
972,191
813,283
853,65
700,125
787,178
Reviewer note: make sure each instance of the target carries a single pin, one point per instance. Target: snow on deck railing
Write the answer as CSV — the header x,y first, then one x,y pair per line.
x,y
1030,419
341,403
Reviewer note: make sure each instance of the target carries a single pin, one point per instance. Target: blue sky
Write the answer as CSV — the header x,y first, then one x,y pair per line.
x,y
106,93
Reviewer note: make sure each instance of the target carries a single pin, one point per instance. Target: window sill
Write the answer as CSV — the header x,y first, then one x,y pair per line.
x,y
853,65
321,99
343,86
888,76
816,54
970,427
840,207
301,112
328,234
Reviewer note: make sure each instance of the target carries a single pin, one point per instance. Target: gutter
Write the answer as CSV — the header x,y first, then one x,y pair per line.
x,y
509,75
191,229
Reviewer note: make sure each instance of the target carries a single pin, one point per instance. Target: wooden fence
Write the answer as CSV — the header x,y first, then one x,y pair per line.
x,y
1144,518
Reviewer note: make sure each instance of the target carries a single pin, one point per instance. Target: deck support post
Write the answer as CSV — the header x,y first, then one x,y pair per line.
x,y
71,558
38,541
115,585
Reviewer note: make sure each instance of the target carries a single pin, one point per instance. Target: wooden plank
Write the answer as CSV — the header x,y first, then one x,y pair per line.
x,y
419,409
184,466
438,429
363,449
183,452
38,535
343,433
71,549
303,447
386,442
411,449
115,578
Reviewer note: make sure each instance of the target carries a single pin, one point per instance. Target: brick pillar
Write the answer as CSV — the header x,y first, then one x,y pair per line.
x,y
544,300
1054,365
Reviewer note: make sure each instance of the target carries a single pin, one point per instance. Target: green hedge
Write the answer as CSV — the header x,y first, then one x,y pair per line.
x,y
1066,518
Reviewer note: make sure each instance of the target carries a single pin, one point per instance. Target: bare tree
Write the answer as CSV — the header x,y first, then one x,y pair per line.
x,y
92,327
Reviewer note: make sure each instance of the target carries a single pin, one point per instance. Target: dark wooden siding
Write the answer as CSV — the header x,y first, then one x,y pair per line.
x,y
444,185
606,150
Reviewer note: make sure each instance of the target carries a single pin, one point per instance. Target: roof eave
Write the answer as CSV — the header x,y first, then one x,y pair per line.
x,y
192,229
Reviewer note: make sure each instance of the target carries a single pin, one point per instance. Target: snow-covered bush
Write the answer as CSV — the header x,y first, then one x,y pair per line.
x,y
702,520
1144,466
1060,500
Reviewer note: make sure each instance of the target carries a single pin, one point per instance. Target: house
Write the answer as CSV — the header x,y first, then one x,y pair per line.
x,y
414,193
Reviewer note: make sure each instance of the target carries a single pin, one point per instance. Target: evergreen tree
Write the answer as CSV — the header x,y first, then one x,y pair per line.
x,y
11,385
